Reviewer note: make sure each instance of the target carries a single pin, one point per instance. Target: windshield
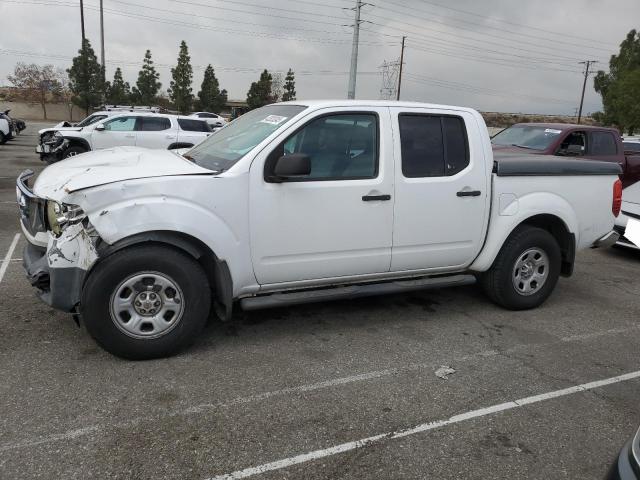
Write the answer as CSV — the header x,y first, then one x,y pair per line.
x,y
535,137
91,119
223,149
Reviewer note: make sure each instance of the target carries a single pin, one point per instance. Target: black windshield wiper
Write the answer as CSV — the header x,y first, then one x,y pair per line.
x,y
522,146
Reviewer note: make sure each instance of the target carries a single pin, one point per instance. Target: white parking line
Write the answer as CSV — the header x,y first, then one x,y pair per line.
x,y
424,427
331,383
7,257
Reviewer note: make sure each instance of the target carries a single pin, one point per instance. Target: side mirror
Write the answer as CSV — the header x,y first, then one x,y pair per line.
x,y
296,165
100,128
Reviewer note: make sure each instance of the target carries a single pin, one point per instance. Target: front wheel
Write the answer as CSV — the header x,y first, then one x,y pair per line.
x,y
73,151
146,302
3,138
526,270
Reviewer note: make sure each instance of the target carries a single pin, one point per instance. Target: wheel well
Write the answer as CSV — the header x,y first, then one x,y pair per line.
x,y
566,240
217,270
79,142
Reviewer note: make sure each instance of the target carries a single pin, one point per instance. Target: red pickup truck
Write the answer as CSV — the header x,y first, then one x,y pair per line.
x,y
565,140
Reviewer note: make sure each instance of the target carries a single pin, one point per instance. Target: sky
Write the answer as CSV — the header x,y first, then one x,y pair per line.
x,y
493,55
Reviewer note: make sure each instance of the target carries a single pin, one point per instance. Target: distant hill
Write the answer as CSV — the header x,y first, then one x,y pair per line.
x,y
503,120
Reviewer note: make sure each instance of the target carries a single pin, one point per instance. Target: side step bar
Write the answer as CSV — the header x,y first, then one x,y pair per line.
x,y
351,291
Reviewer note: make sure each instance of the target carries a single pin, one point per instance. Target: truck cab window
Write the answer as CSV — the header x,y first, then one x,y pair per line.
x,y
575,144
342,146
432,145
603,143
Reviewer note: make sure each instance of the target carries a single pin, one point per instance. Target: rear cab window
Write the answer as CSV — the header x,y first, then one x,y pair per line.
x,y
603,144
432,145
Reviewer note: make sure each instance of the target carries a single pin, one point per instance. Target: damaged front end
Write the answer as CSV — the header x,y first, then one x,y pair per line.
x,y
52,146
57,271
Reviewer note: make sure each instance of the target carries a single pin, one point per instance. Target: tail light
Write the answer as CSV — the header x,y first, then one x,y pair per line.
x,y
617,198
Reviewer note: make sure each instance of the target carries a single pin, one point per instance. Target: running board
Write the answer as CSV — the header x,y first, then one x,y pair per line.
x,y
352,291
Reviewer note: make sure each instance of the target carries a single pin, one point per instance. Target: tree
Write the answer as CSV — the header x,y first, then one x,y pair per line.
x,y
211,99
118,92
620,88
180,91
35,82
289,87
86,78
147,86
277,86
259,93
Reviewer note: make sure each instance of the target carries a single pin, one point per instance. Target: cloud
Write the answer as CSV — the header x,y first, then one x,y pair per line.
x,y
497,55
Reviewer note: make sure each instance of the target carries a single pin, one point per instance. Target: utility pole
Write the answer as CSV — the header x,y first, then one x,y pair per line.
x,y
400,74
587,64
82,19
351,94
102,35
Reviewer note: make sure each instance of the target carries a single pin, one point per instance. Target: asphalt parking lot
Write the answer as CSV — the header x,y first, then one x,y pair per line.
x,y
346,390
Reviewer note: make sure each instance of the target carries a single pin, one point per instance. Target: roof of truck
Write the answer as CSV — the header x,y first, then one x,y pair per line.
x,y
566,126
372,103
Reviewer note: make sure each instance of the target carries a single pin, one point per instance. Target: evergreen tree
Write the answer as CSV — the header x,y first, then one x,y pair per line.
x,y
180,91
86,78
259,93
211,99
118,92
289,87
620,88
147,86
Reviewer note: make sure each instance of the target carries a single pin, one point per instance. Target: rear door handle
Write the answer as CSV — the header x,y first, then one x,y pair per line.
x,y
376,198
469,193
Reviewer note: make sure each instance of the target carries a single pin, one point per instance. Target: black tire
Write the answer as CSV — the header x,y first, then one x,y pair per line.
x,y
108,275
498,282
3,138
74,150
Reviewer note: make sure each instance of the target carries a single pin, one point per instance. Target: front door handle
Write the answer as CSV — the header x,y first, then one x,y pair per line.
x,y
376,198
469,193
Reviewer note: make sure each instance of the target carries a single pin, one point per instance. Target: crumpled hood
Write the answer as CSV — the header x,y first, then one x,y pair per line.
x,y
59,129
108,166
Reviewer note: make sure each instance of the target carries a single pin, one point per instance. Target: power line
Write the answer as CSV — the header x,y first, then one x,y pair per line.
x,y
458,36
485,17
537,37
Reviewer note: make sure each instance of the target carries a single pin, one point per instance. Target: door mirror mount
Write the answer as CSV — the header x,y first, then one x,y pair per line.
x,y
289,167
100,128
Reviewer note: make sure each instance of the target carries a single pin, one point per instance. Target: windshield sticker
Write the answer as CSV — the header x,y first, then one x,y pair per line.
x,y
552,130
274,120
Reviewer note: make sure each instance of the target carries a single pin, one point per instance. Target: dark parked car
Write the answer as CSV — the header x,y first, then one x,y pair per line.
x,y
627,465
566,140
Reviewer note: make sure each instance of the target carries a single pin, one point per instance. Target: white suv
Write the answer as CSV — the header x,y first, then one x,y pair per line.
x,y
148,130
214,120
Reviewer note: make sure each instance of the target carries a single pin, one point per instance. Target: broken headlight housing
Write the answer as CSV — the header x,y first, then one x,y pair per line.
x,y
59,215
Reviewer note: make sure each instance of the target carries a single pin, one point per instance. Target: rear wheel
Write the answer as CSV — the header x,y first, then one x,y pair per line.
x,y
526,270
3,138
146,302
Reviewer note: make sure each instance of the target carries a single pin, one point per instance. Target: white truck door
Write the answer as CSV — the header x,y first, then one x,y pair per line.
x,y
338,220
155,132
442,189
118,132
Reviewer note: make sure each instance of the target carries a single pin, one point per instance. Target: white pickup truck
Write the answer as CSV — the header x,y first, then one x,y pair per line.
x,y
304,202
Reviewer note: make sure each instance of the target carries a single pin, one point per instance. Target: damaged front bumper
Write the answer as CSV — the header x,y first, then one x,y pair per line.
x,y
52,148
58,272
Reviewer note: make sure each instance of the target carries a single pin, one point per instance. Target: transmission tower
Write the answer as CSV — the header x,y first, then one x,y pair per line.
x,y
390,75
